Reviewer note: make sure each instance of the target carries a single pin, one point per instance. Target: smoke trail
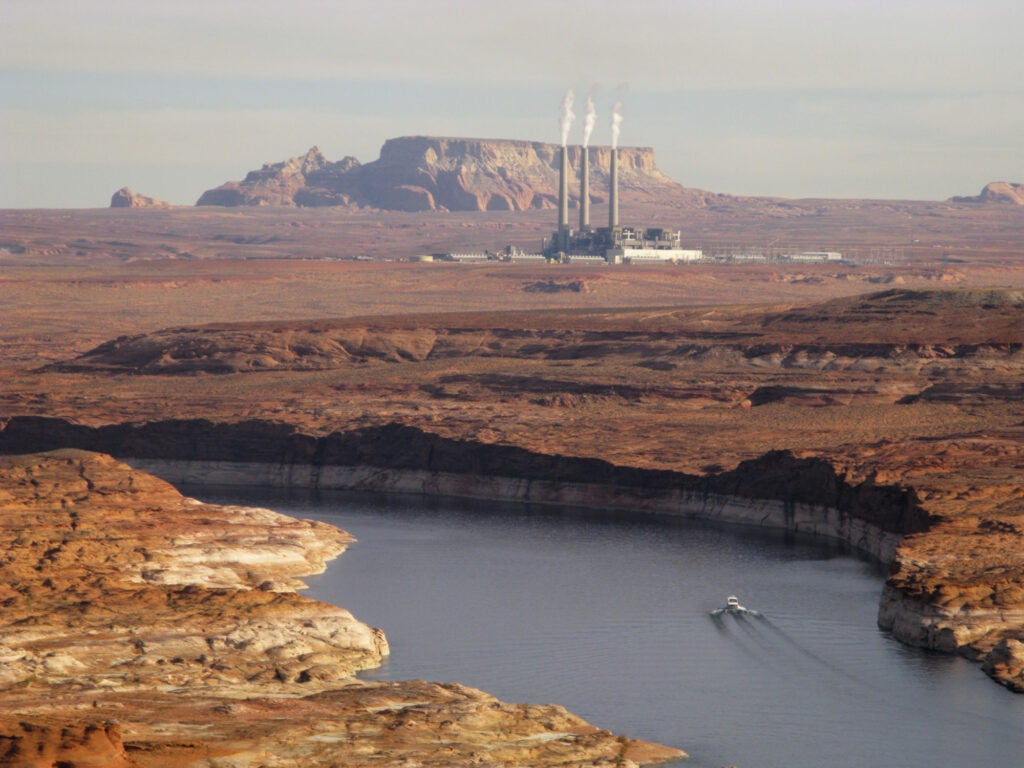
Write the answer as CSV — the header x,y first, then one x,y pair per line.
x,y
588,121
567,116
616,121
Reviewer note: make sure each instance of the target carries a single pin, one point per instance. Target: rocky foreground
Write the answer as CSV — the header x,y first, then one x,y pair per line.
x,y
142,628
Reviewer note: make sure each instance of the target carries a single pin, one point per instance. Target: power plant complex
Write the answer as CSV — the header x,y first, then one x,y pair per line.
x,y
614,244
617,244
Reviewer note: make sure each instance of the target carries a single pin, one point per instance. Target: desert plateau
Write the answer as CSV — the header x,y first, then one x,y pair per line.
x,y
876,401
547,385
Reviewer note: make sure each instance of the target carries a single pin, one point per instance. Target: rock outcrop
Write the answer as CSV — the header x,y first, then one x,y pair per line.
x,y
423,173
996,192
813,337
125,198
901,410
805,495
309,179
143,629
75,745
141,567
974,607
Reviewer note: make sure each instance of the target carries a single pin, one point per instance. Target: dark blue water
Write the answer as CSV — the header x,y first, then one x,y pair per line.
x,y
609,616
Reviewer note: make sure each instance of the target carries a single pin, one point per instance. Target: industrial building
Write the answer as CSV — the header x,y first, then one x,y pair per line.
x,y
617,244
812,257
613,244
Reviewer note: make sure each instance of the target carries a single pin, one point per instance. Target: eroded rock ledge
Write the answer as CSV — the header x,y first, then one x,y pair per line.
x,y
142,628
957,583
805,495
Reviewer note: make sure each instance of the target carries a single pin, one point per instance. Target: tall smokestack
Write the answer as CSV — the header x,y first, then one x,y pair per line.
x,y
585,189
613,177
563,199
613,193
564,124
589,119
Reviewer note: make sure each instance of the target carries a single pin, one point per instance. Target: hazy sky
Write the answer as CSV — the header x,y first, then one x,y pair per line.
x,y
830,98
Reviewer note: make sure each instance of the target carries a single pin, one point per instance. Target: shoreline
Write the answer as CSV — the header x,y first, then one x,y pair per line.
x,y
929,600
799,518
143,628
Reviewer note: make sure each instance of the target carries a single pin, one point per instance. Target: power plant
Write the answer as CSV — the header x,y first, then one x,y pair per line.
x,y
613,244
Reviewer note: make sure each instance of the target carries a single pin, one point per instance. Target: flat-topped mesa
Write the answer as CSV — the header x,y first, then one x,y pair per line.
x,y
425,173
995,192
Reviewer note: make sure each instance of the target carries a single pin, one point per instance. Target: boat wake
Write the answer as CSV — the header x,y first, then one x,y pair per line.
x,y
732,606
765,640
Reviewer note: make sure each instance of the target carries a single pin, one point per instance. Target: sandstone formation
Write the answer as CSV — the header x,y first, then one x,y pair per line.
x,y
144,629
972,603
996,192
423,173
900,409
307,180
923,386
289,454
812,337
125,198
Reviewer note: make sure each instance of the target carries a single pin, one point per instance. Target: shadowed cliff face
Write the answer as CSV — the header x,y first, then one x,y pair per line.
x,y
951,589
422,173
776,476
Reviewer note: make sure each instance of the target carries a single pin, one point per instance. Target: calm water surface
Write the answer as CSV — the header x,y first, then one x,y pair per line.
x,y
610,617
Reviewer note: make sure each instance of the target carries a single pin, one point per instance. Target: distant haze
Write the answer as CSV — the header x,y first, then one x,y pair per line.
x,y
822,98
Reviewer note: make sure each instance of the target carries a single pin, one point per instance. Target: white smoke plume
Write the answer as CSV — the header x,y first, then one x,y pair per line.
x,y
568,116
616,123
589,118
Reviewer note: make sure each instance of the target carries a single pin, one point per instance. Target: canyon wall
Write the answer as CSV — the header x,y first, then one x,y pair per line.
x,y
954,584
778,489
803,518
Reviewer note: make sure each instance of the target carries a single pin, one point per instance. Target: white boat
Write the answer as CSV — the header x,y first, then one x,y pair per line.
x,y
732,605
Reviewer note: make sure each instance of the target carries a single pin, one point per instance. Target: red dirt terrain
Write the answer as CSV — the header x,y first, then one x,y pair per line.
x,y
891,384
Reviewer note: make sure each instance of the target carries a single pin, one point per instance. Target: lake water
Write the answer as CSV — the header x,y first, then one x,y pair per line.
x,y
609,616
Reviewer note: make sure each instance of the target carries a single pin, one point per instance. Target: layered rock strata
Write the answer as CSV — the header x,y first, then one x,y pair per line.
x,y
142,628
814,338
967,603
779,490
427,173
974,605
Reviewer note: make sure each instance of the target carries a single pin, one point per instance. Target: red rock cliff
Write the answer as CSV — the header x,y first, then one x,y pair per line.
x,y
423,173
